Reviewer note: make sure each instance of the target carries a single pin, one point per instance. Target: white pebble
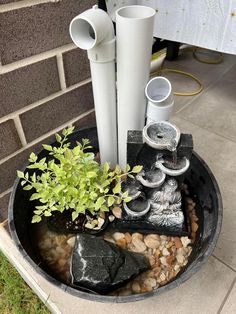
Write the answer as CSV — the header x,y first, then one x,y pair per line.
x,y
139,245
180,259
152,241
165,252
163,261
185,241
118,236
162,277
71,242
111,218
150,282
136,287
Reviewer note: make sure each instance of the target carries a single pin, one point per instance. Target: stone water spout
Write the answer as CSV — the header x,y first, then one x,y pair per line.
x,y
165,156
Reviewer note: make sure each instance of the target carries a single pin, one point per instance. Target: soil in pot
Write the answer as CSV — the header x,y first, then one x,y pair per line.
x,y
168,256
63,224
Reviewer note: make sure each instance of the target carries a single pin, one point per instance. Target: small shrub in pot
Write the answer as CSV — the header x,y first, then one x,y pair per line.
x,y
72,180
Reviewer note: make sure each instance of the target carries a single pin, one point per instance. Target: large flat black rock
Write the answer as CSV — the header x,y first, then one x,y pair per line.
x,y
101,266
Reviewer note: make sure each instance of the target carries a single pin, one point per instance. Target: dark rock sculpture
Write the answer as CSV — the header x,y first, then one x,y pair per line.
x,y
100,266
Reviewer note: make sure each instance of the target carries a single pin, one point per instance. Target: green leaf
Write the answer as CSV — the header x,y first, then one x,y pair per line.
x,y
137,169
110,201
76,150
70,130
104,208
33,157
20,174
106,167
35,196
117,169
27,187
38,212
36,219
58,189
47,213
74,215
127,168
33,166
58,137
33,178
23,182
128,199
41,207
117,188
47,147
125,194
101,200
91,174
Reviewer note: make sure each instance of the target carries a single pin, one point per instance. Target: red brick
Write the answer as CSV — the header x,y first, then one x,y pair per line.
x,y
32,30
56,112
28,84
9,139
88,121
76,66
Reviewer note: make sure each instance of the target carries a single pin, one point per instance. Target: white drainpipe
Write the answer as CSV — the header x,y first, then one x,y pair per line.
x,y
134,32
93,31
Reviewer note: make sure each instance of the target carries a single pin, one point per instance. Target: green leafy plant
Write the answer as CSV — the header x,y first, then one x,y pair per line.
x,y
73,180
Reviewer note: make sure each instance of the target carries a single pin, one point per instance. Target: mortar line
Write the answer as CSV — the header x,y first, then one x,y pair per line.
x,y
35,58
40,102
6,192
20,130
221,261
226,296
61,72
44,136
23,4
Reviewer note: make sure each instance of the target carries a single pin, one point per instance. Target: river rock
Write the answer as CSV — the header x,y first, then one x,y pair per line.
x,y
152,241
118,236
101,266
139,245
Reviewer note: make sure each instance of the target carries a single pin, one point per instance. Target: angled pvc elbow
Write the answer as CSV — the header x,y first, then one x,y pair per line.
x,y
93,30
160,99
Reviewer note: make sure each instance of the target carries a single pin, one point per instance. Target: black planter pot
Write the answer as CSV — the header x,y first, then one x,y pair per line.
x,y
203,188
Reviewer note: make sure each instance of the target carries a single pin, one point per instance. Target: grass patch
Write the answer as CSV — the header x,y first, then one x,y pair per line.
x,y
16,297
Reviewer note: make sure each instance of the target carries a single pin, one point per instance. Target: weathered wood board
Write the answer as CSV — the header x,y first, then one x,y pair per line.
x,y
205,23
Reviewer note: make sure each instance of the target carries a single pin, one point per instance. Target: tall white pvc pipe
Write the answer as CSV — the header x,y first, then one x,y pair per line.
x,y
134,31
93,31
160,99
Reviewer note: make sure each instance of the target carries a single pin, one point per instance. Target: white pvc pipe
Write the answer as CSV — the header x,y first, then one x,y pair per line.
x,y
134,30
93,31
160,99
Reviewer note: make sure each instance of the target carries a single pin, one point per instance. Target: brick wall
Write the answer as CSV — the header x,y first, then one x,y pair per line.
x,y
44,81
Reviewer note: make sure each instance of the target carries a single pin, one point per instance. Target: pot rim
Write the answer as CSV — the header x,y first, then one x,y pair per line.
x,y
185,275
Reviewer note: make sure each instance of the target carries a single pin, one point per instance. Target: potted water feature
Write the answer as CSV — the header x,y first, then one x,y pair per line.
x,y
105,231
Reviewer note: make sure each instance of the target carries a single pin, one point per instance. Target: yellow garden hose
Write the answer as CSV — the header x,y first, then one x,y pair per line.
x,y
207,61
191,76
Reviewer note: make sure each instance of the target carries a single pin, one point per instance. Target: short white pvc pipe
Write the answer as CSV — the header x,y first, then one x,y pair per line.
x,y
134,30
160,99
93,31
